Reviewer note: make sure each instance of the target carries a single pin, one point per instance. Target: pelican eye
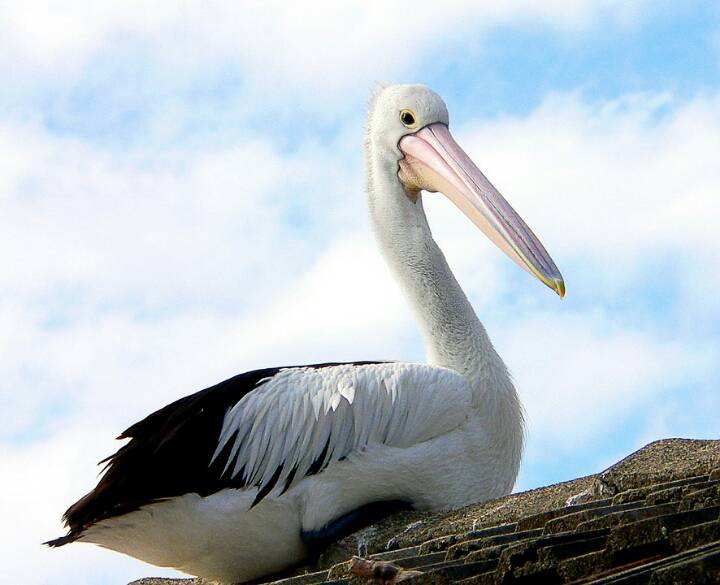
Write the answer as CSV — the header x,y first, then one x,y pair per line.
x,y
407,117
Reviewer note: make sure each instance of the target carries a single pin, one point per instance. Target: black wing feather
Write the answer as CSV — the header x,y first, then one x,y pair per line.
x,y
169,455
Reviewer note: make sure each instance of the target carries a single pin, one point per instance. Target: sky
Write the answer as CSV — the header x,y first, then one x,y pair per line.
x,y
182,199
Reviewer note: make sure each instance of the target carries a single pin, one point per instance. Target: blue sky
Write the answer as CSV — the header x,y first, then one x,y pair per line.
x,y
505,69
181,199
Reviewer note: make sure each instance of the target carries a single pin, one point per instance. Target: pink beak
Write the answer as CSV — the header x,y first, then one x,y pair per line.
x,y
433,161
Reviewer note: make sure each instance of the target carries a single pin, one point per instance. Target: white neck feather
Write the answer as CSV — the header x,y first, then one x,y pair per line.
x,y
454,336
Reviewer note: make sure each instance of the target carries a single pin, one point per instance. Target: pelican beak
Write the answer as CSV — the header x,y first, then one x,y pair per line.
x,y
433,161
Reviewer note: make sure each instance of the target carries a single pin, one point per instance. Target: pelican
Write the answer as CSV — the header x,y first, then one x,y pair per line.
x,y
252,475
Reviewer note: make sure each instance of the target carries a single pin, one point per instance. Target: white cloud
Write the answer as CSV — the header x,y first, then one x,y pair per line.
x,y
581,374
608,186
306,46
111,224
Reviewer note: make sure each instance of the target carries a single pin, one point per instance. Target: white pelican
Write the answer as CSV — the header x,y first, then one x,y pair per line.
x,y
248,477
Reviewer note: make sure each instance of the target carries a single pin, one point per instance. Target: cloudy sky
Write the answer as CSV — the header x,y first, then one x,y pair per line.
x,y
181,199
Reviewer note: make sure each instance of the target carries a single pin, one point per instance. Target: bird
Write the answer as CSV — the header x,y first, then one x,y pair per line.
x,y
253,475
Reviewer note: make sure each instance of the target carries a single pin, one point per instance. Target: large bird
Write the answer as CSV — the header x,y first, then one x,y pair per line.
x,y
248,477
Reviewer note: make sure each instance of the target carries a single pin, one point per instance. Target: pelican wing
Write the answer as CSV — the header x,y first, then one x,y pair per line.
x,y
302,419
267,429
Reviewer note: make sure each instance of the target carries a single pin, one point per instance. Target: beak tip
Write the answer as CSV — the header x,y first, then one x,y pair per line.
x,y
559,286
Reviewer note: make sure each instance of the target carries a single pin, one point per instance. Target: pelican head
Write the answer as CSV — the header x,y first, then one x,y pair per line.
x,y
409,128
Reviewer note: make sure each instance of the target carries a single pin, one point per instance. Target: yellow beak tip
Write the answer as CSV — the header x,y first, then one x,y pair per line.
x,y
559,286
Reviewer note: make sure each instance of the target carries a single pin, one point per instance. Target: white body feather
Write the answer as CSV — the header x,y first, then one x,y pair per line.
x,y
420,441
303,414
437,459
